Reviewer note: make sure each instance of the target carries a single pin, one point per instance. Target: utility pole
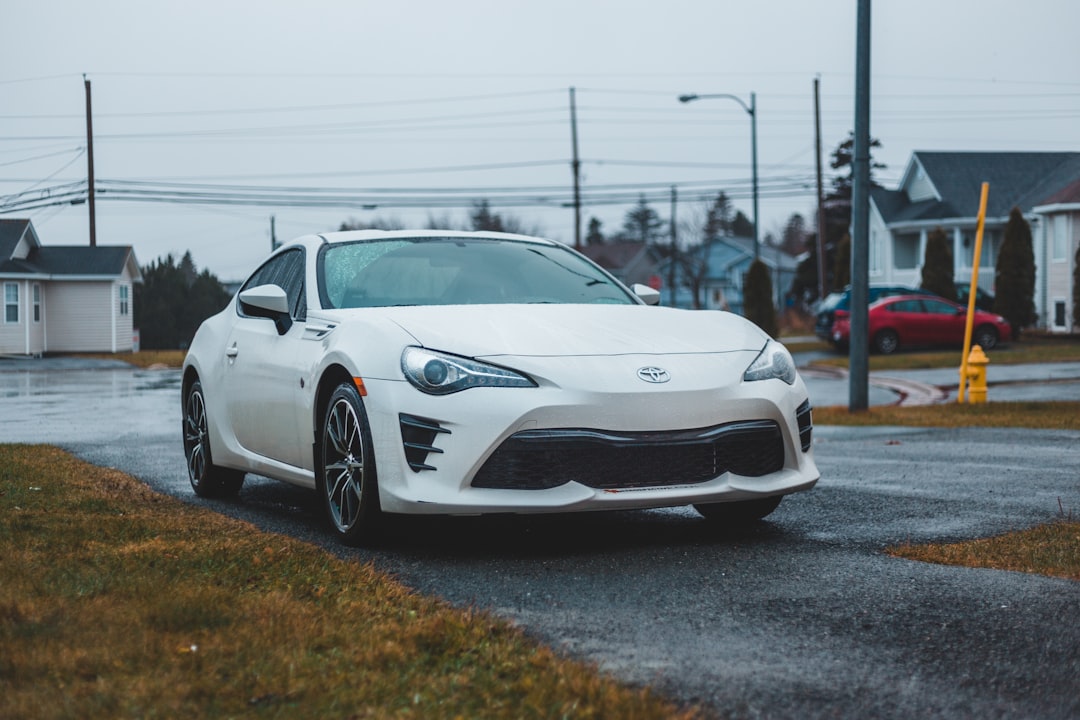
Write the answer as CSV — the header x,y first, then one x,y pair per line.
x,y
90,164
576,165
858,363
822,282
753,165
274,244
674,245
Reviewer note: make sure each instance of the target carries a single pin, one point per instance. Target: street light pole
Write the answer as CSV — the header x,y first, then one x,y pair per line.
x,y
751,110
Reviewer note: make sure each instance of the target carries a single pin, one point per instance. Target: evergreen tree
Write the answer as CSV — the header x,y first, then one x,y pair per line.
x,y
1076,289
757,298
594,236
937,269
483,219
173,300
1014,274
742,226
842,263
642,224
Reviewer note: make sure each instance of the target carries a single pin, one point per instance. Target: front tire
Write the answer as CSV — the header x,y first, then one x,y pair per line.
x,y
743,512
207,479
347,479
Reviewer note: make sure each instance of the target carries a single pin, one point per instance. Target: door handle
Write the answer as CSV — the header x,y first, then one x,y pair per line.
x,y
232,351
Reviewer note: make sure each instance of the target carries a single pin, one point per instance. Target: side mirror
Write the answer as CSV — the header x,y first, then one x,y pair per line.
x,y
268,301
646,293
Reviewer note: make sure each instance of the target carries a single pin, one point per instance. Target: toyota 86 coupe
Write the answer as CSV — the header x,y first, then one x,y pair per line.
x,y
461,373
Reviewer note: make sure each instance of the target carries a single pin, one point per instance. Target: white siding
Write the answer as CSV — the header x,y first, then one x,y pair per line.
x,y
13,335
920,188
80,316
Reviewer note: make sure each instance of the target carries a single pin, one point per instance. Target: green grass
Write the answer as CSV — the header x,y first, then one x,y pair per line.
x,y
119,602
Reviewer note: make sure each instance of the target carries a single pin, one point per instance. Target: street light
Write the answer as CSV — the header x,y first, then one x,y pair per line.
x,y
751,110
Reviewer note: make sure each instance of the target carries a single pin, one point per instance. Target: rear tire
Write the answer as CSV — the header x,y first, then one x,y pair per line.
x,y
985,337
207,479
347,480
743,512
886,342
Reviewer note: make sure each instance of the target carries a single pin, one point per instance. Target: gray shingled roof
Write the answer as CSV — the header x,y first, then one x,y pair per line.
x,y
1017,179
78,260
11,231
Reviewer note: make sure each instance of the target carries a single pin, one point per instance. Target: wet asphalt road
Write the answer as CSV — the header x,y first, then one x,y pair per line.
x,y
802,616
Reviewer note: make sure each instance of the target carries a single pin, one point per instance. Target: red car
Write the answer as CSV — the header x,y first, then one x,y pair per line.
x,y
916,320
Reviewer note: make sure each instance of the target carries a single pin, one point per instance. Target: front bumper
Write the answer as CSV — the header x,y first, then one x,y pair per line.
x,y
435,454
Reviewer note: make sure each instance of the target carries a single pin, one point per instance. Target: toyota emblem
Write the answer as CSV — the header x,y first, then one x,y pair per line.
x,y
653,374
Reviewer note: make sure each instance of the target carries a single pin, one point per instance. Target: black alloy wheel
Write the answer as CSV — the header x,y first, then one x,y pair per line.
x,y
346,478
207,480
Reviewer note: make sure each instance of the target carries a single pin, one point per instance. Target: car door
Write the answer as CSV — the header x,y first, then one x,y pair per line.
x,y
944,322
265,368
906,318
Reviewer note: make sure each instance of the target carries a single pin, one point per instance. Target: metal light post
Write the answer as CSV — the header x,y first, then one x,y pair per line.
x,y
751,110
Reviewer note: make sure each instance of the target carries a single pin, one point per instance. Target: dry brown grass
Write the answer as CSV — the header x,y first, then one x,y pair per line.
x,y
118,602
143,358
1037,415
1052,549
1034,349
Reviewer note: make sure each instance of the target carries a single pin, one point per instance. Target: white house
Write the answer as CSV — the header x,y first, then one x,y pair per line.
x,y
63,299
942,189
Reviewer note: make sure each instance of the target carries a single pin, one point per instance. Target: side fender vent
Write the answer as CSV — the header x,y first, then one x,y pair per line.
x,y
418,437
804,416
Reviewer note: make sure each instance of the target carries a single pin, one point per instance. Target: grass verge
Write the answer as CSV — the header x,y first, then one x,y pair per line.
x,y
1032,350
1052,549
1036,415
119,602
143,358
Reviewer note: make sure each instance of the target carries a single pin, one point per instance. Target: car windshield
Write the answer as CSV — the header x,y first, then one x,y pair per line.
x,y
459,271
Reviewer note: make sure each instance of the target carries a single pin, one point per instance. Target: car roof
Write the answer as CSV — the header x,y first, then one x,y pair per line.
x,y
362,235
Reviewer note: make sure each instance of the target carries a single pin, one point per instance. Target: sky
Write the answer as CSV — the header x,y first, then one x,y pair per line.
x,y
409,112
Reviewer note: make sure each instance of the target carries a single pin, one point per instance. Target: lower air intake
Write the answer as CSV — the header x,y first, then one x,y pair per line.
x,y
542,459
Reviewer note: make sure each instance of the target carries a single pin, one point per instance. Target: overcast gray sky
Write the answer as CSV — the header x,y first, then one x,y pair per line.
x,y
398,99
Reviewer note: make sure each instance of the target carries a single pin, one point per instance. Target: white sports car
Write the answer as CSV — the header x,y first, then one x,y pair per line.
x,y
467,373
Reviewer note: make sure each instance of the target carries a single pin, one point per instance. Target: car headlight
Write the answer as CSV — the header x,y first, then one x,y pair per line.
x,y
774,361
439,373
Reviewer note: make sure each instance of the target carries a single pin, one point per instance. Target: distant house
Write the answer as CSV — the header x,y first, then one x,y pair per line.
x,y
630,262
63,299
941,189
727,262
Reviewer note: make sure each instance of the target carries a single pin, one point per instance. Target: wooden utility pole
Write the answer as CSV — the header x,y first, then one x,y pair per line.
x,y
576,165
674,245
90,164
822,280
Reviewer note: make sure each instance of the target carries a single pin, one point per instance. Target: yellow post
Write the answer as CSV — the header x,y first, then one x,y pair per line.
x,y
971,294
976,372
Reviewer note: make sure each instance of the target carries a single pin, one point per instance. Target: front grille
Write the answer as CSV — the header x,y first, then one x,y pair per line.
x,y
804,417
542,459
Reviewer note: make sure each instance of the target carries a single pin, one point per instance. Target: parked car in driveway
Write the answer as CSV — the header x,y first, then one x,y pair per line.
x,y
825,313
922,321
438,372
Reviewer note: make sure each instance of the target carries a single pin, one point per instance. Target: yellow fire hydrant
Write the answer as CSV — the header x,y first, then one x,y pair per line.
x,y
976,374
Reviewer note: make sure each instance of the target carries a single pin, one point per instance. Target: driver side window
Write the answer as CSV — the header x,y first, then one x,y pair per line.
x,y
287,272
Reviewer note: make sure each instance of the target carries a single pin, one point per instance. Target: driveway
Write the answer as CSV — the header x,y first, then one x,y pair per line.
x,y
802,616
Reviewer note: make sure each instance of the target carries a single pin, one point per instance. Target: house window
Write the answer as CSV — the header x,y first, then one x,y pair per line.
x,y
1059,314
1059,242
37,302
11,302
123,299
990,244
906,251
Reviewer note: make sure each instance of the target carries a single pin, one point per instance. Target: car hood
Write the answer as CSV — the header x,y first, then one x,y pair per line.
x,y
575,330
